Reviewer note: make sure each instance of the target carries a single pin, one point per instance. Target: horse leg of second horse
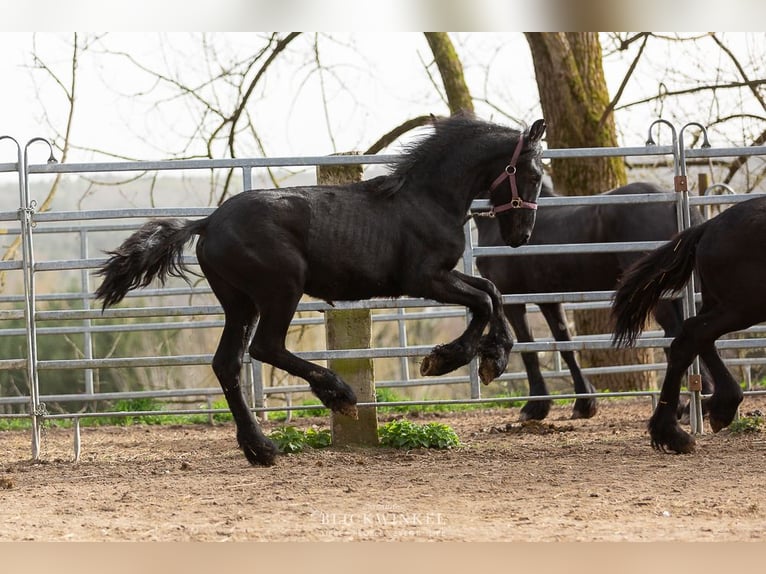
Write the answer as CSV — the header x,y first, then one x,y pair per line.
x,y
535,410
584,408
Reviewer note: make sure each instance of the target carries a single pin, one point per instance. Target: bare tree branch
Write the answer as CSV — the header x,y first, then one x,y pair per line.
x,y
388,138
610,108
694,90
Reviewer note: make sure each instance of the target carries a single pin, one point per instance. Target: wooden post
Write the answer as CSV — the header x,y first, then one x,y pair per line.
x,y
351,329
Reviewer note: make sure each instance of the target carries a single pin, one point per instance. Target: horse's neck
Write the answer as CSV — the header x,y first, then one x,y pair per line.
x,y
451,190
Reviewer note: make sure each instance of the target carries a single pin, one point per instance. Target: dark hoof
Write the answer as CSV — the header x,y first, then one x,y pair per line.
x,y
535,410
259,452
494,358
491,368
722,411
429,366
443,359
584,409
672,438
717,424
349,411
335,394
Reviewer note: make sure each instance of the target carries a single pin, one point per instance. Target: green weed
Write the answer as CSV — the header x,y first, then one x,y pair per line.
x,y
747,424
291,440
407,435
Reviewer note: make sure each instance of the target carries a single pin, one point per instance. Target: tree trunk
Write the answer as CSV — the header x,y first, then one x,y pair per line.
x,y
574,97
451,71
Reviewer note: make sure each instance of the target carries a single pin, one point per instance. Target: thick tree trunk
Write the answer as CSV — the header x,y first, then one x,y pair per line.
x,y
574,96
451,71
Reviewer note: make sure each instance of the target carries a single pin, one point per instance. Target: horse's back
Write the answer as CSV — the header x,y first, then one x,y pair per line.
x,y
578,224
731,259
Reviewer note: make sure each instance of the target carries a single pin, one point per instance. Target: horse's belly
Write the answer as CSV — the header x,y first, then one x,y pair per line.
x,y
349,286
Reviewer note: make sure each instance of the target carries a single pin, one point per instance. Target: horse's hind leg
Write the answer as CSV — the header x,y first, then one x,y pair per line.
x,y
532,410
227,366
268,345
583,408
698,335
669,316
727,395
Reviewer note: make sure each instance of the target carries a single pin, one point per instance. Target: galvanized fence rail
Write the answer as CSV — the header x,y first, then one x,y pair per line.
x,y
87,321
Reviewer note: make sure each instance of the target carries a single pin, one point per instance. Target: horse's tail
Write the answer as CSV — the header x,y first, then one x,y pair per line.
x,y
154,251
664,270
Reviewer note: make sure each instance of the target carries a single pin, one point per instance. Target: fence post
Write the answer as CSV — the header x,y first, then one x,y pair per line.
x,y
351,329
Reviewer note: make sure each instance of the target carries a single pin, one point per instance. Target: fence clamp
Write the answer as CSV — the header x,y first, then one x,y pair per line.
x,y
28,213
695,382
680,183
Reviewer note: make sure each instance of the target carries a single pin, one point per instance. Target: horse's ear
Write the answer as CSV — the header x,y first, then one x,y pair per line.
x,y
536,131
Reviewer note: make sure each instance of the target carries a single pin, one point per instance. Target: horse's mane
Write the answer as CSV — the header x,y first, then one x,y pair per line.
x,y
446,133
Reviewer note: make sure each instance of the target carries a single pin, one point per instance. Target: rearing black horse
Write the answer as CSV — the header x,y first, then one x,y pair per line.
x,y
396,234
530,273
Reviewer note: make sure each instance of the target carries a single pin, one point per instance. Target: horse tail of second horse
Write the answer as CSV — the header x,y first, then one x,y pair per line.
x,y
154,251
664,270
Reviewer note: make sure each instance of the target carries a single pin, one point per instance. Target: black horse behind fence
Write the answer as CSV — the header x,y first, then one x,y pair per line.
x,y
564,273
397,234
729,256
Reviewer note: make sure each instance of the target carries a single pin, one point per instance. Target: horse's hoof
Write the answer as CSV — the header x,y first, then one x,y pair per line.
x,y
672,439
349,411
679,445
717,424
584,409
535,411
428,366
493,357
335,394
261,454
721,413
443,359
490,369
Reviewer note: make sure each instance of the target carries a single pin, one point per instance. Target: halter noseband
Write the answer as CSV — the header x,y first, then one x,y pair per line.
x,y
510,172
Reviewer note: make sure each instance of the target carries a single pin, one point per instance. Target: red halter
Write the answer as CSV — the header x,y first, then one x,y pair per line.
x,y
510,172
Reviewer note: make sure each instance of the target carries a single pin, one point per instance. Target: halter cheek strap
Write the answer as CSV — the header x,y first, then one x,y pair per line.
x,y
510,173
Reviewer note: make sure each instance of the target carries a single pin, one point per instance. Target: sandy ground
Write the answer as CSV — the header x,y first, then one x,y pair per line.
x,y
582,480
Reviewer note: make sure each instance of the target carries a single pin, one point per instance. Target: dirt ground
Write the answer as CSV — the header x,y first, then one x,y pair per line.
x,y
582,480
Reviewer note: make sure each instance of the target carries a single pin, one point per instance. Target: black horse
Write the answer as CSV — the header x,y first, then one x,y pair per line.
x,y
728,254
396,234
577,272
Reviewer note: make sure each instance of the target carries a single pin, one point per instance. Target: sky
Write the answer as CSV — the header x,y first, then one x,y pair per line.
x,y
389,86
382,83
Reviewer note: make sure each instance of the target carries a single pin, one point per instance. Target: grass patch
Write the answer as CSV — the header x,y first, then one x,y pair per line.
x,y
747,424
290,440
408,435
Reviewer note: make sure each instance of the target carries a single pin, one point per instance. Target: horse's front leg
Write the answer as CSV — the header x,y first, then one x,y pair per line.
x,y
452,288
495,346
